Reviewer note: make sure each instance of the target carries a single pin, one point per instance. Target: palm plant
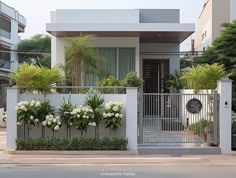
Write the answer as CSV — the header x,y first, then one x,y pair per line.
x,y
95,101
81,58
204,76
35,78
175,81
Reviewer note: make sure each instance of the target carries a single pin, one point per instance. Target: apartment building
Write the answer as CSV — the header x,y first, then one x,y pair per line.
x,y
214,13
11,24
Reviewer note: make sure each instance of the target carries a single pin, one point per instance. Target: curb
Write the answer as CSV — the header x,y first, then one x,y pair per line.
x,y
40,152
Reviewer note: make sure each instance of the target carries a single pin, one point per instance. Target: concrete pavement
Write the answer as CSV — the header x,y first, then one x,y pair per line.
x,y
118,159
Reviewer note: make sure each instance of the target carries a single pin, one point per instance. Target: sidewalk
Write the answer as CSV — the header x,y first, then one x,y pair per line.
x,y
118,159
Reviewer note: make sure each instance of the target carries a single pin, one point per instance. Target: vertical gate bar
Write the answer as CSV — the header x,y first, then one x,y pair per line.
x,y
215,119
141,116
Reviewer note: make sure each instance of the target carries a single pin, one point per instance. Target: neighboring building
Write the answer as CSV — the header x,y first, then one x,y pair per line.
x,y
141,40
214,13
11,23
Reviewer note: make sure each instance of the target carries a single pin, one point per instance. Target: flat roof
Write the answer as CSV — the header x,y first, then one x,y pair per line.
x,y
148,32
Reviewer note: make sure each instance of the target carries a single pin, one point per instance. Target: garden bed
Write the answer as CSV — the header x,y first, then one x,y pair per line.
x,y
77,143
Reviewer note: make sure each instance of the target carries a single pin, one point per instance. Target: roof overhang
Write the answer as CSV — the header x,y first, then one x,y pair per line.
x,y
148,32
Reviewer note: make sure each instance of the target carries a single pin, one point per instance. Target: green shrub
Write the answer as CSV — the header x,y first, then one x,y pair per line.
x,y
132,80
199,127
75,143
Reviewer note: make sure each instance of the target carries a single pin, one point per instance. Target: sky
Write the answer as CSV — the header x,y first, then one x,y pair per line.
x,y
37,13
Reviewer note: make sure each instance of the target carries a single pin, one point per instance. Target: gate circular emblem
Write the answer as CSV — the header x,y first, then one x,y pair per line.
x,y
194,106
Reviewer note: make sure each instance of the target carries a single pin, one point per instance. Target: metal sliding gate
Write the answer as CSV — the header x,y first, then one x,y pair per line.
x,y
178,118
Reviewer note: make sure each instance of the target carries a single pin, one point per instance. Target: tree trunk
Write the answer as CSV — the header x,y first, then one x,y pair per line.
x,y
76,74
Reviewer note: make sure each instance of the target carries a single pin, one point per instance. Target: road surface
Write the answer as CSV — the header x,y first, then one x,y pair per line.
x,y
117,171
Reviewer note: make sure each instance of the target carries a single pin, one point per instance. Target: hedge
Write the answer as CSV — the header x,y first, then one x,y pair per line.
x,y
77,143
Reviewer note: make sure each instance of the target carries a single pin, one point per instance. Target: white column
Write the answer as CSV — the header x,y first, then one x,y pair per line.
x,y
131,117
224,88
12,98
58,51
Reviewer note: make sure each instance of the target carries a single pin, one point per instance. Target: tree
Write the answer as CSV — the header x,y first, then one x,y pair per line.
x,y
223,51
37,50
81,58
223,48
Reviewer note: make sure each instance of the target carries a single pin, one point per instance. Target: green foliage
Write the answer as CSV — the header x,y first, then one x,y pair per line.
x,y
222,50
37,43
27,112
95,101
113,115
44,110
80,57
109,81
204,76
36,78
132,80
82,117
199,127
175,81
72,144
65,110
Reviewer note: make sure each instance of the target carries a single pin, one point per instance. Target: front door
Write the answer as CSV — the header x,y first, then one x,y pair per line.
x,y
154,75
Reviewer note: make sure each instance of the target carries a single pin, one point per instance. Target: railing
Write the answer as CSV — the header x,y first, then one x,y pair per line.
x,y
74,90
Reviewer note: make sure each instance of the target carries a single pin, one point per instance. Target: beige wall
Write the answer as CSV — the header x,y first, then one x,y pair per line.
x,y
212,16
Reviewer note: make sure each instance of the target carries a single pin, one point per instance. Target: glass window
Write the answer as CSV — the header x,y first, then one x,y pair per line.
x,y
112,63
126,61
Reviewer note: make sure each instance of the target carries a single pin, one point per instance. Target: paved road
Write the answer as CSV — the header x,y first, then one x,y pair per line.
x,y
117,171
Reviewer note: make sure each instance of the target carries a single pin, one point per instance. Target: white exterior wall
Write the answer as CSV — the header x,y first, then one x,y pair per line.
x,y
78,99
59,44
97,16
232,10
129,122
174,60
208,38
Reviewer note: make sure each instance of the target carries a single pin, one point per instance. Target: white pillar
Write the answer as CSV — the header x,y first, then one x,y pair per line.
x,y
131,117
224,87
58,51
12,98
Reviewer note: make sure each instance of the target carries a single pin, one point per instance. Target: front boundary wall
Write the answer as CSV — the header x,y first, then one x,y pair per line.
x,y
128,129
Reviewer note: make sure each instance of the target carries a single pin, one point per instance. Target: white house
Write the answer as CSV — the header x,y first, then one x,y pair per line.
x,y
11,23
143,40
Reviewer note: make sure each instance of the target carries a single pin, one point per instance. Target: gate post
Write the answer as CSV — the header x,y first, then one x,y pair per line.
x,y
12,98
224,88
131,117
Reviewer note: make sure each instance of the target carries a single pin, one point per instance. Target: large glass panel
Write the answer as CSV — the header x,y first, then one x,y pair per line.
x,y
126,61
108,63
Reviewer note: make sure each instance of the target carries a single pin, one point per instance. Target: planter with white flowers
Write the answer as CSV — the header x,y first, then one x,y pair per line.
x,y
113,115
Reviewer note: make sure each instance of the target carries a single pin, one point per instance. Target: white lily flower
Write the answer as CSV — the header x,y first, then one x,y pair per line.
x,y
56,128
44,123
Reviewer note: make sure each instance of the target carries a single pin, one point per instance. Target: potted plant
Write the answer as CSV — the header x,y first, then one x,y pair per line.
x,y
234,131
132,80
